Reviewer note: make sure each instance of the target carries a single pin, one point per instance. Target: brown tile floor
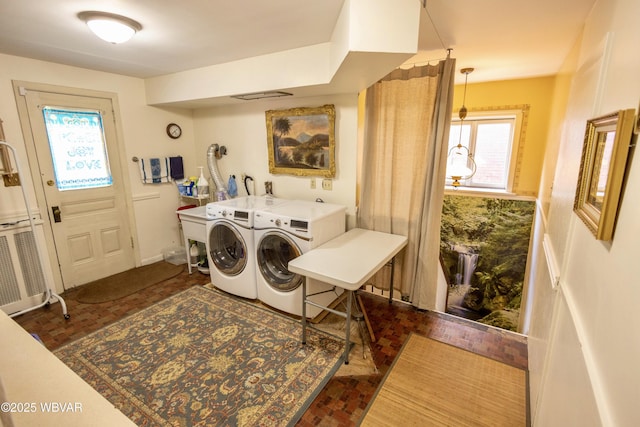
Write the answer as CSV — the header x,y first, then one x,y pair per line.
x,y
343,400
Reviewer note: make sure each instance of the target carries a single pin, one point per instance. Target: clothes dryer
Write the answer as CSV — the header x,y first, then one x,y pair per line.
x,y
230,243
284,232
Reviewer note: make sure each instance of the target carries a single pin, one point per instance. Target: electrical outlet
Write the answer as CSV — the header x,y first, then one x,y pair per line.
x,y
313,183
327,184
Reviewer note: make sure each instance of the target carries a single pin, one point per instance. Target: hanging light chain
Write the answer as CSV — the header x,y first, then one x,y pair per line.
x,y
454,154
463,110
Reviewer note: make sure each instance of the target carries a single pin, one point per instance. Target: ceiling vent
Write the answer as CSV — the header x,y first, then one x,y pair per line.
x,y
261,95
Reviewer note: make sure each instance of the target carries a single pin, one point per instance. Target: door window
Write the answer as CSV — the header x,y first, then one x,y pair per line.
x,y
78,148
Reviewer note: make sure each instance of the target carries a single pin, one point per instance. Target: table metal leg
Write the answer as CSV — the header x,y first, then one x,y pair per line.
x,y
304,311
393,265
348,328
359,317
188,249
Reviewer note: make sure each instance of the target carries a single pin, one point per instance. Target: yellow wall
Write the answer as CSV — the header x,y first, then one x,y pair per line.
x,y
562,89
535,92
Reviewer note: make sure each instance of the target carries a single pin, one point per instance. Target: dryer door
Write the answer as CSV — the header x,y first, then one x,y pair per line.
x,y
274,252
227,249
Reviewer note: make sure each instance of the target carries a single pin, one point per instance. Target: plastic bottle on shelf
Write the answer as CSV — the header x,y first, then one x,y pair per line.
x,y
232,186
193,254
194,188
203,184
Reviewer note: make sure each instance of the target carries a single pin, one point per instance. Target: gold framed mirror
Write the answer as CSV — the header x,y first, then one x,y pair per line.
x,y
5,161
602,170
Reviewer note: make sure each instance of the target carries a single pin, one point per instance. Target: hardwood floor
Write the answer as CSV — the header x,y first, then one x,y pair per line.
x,y
343,400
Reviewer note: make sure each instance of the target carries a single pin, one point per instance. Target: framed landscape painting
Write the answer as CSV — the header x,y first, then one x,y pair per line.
x,y
301,141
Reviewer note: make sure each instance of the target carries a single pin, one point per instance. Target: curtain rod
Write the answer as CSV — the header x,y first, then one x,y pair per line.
x,y
419,63
427,61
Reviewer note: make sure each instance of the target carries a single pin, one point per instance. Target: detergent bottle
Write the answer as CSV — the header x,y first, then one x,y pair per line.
x,y
193,254
203,184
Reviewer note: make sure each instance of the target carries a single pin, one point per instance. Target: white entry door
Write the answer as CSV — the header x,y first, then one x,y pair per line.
x,y
76,146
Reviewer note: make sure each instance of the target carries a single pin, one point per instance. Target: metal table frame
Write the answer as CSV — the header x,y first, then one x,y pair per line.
x,y
347,261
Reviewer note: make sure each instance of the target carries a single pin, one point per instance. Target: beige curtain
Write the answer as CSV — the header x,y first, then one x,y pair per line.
x,y
406,130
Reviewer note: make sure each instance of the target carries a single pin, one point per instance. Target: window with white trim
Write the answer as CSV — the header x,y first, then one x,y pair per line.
x,y
493,139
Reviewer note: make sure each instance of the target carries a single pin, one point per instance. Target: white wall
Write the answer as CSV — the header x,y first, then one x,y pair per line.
x,y
143,128
589,373
242,129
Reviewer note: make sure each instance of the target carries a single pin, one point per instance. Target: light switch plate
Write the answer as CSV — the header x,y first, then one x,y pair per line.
x,y
11,180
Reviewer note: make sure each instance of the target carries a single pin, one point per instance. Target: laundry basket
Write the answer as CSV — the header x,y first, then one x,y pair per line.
x,y
176,255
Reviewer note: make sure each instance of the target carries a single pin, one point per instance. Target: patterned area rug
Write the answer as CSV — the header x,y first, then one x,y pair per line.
x,y
203,358
361,361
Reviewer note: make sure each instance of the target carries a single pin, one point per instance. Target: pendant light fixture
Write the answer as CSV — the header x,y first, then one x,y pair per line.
x,y
460,163
110,27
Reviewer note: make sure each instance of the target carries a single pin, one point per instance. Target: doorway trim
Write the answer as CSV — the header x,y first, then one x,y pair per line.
x,y
19,89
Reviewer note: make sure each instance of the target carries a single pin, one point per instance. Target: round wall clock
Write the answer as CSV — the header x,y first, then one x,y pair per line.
x,y
174,131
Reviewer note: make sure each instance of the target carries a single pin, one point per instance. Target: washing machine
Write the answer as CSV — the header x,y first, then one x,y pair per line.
x,y
284,232
230,243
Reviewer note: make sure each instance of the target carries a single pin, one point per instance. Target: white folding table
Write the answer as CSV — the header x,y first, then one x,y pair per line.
x,y
347,261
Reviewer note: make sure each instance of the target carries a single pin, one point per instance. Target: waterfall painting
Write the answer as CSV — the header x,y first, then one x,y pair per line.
x,y
484,244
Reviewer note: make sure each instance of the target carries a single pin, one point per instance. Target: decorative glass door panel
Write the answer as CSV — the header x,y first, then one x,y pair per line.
x,y
78,148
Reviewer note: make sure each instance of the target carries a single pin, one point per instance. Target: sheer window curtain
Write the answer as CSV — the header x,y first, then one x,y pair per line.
x,y
406,130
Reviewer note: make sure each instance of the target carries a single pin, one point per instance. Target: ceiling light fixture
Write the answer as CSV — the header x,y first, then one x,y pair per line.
x,y
110,27
261,95
460,163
